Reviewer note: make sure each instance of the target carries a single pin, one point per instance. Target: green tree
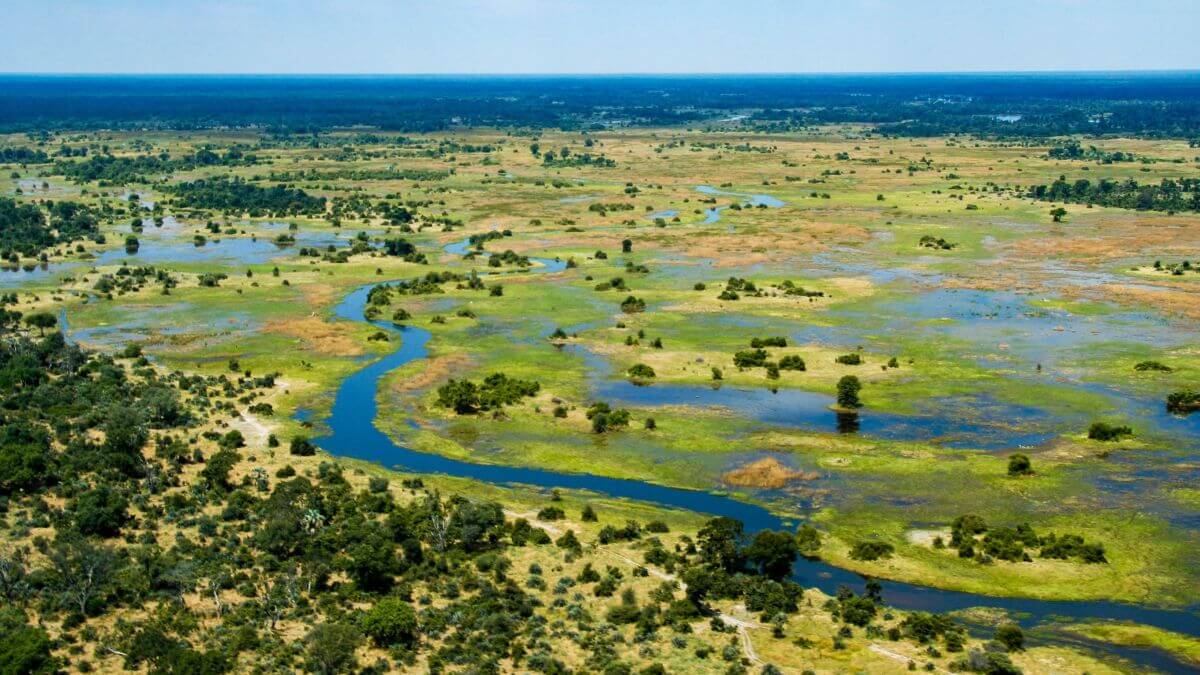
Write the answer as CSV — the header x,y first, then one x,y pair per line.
x,y
808,539
721,543
847,392
25,649
100,511
391,622
216,469
330,648
41,321
773,553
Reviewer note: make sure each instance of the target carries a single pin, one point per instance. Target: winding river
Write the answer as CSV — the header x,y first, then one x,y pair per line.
x,y
352,433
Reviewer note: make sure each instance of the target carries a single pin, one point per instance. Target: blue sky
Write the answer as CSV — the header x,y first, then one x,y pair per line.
x,y
595,36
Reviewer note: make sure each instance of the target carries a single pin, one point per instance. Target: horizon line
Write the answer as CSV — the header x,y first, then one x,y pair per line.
x,y
1133,71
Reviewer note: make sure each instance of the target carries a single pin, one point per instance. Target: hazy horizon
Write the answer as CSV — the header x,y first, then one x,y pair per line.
x,y
581,37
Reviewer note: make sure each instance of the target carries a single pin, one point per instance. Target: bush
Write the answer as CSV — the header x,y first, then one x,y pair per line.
x,y
1011,636
871,550
641,371
791,362
330,648
302,447
1103,431
100,512
391,622
1019,465
24,649
849,360
1183,402
551,513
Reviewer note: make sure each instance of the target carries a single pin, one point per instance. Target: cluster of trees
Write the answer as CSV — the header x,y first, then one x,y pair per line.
x,y
1169,194
23,156
30,229
1072,149
564,158
606,418
359,175
1177,269
238,196
936,243
1010,543
493,393
1183,402
757,357
111,170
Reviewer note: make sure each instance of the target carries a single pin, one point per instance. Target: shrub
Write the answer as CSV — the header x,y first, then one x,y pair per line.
x,y
1103,431
1019,465
871,550
24,649
792,362
1183,402
330,648
391,622
632,305
849,359
302,447
100,512
641,371
1011,636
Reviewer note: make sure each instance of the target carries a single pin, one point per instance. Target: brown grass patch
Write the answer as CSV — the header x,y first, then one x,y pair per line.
x,y
767,472
333,339
436,370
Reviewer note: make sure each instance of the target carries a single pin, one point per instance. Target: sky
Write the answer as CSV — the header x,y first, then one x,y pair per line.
x,y
596,36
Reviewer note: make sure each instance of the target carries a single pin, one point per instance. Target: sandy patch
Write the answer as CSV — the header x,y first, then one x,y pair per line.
x,y
926,537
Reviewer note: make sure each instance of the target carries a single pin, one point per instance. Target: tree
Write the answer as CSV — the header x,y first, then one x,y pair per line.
x,y
372,557
720,543
81,570
124,435
100,512
216,469
847,392
808,539
1058,214
25,457
330,648
474,523
1019,465
25,649
391,622
462,396
41,321
773,553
